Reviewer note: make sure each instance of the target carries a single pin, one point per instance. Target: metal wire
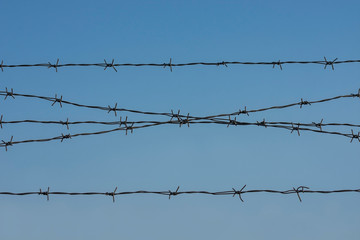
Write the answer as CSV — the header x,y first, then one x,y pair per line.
x,y
67,123
171,64
130,127
171,114
295,190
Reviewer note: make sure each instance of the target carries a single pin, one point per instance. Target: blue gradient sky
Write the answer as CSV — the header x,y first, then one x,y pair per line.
x,y
200,157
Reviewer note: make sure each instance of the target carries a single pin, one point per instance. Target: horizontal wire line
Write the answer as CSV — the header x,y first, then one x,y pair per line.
x,y
298,190
131,129
170,64
210,121
171,114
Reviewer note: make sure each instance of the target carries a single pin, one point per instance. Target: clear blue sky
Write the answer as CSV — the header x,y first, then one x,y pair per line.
x,y
200,157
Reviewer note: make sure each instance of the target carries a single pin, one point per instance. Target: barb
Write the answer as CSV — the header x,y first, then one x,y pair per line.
x,y
331,63
302,102
106,65
262,123
9,94
277,63
171,114
113,194
295,129
355,136
59,100
113,109
45,193
67,136
6,144
170,65
297,191
174,193
54,65
318,125
110,65
239,192
65,123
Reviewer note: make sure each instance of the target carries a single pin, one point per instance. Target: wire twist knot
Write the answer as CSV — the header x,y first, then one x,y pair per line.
x,y
232,121
54,65
319,125
9,143
239,192
131,128
277,63
46,193
174,193
59,100
65,123
9,93
222,63
331,63
114,109
243,111
110,65
302,102
355,136
262,123
295,128
298,190
67,136
112,194
168,65
357,94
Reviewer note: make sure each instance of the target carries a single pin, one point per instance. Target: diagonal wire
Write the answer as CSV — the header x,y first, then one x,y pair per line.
x,y
131,128
171,114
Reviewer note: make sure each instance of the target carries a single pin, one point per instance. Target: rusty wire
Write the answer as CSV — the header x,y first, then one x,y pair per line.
x,y
295,190
105,64
171,114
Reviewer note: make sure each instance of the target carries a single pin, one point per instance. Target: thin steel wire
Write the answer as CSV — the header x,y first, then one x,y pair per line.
x,y
171,114
232,122
295,190
171,64
207,121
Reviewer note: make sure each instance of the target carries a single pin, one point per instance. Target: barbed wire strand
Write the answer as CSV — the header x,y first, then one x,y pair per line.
x,y
131,128
111,64
295,190
171,114
207,120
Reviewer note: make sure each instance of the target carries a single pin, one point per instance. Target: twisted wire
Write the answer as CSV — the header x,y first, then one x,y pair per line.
x,y
171,114
112,65
298,191
131,128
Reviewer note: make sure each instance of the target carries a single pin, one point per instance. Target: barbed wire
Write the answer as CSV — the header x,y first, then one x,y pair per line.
x,y
295,190
67,123
177,122
129,127
171,64
171,114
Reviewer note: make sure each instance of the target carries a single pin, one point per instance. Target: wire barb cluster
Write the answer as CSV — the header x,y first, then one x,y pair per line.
x,y
295,190
170,64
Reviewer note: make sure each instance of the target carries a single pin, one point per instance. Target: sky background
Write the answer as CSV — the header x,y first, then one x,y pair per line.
x,y
202,157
